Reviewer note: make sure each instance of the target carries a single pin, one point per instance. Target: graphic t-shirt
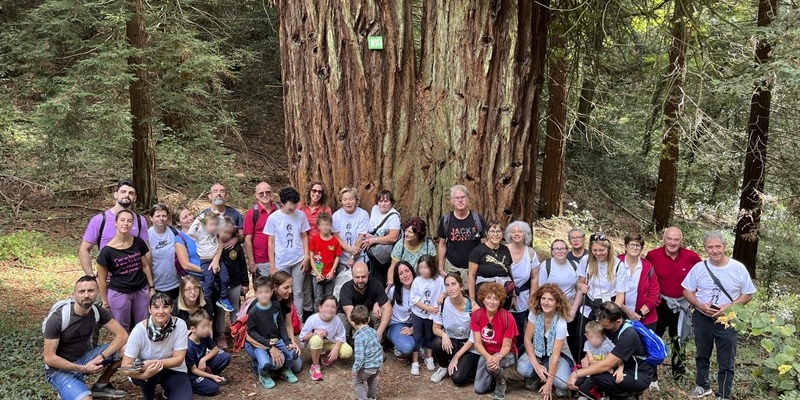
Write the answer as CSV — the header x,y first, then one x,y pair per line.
x,y
401,313
92,233
165,276
733,276
462,237
427,291
74,341
287,230
324,252
196,351
491,263
493,331
125,266
348,227
454,322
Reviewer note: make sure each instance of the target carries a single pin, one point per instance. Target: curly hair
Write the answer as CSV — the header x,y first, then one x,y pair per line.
x,y
492,288
417,225
562,304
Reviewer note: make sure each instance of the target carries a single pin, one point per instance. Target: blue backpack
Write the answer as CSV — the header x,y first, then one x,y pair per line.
x,y
653,345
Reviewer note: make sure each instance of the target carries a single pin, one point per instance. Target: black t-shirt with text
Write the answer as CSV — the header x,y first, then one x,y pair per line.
x,y
74,341
491,263
374,293
461,236
125,266
628,344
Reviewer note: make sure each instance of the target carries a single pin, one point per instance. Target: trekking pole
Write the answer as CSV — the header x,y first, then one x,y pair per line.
x,y
577,390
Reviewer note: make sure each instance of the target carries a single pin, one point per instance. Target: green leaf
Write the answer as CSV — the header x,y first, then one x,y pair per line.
x,y
783,358
768,344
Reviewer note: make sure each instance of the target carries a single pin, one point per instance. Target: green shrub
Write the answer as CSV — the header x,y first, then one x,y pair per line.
x,y
21,246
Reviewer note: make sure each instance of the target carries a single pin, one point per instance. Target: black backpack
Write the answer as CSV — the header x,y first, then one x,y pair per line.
x,y
103,226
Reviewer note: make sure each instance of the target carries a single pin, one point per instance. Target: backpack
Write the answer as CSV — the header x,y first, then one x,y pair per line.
x,y
66,313
178,266
255,215
652,343
476,219
547,266
103,226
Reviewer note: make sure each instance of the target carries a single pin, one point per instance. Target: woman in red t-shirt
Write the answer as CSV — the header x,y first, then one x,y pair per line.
x,y
494,332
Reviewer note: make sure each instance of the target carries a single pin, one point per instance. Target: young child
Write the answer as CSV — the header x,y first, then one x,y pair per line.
x,y
368,355
324,331
325,251
204,231
204,360
267,337
597,345
426,289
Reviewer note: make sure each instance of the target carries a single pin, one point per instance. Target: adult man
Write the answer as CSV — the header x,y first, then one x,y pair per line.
x,y
672,263
460,231
711,287
218,197
101,228
577,241
255,240
369,293
287,233
68,352
628,348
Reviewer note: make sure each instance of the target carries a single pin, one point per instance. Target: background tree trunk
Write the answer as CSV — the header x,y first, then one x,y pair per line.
x,y
559,61
745,248
673,109
144,146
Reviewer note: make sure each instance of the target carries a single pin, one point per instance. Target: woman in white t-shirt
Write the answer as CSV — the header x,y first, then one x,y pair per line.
x,y
524,264
400,331
158,344
563,272
605,276
451,328
350,225
547,354
384,230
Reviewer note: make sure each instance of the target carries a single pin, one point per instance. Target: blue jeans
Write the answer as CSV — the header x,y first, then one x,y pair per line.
x,y
405,344
563,369
708,333
262,361
207,387
69,384
210,280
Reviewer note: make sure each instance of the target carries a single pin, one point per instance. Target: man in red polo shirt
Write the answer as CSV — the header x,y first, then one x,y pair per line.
x,y
255,240
672,263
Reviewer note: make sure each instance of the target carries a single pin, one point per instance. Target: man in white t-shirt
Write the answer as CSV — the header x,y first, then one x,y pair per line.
x,y
711,287
287,233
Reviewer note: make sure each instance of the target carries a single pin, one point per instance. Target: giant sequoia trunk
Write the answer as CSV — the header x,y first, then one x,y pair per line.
x,y
745,248
366,118
144,146
673,109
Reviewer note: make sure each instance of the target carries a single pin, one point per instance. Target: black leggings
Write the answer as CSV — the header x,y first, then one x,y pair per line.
x,y
467,364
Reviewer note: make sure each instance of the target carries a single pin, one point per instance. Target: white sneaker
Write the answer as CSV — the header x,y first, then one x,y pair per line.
x,y
654,386
429,364
397,353
439,375
415,368
699,392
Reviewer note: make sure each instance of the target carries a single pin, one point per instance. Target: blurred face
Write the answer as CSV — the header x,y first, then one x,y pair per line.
x,y
384,205
600,252
327,310
85,294
360,277
424,270
160,313
634,248
264,294
406,278
452,287
517,236
349,202
673,240
212,224
264,193
283,291
459,200
715,250
218,195
491,302
559,251
191,294
289,207
160,218
548,303
595,339
324,227
125,196
495,234
576,240
316,193
203,329
186,218
227,233
124,222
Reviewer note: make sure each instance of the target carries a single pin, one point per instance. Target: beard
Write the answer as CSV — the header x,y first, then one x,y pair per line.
x,y
86,304
360,286
218,201
124,202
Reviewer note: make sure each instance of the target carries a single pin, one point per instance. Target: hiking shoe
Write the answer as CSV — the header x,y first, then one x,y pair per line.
x,y
532,383
429,364
699,392
499,391
562,393
397,353
225,304
222,342
107,391
654,386
316,373
324,359
415,368
288,375
266,381
439,375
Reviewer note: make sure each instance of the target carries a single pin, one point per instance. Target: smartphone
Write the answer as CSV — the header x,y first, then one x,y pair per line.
x,y
714,307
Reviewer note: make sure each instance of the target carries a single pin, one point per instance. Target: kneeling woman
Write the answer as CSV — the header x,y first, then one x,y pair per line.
x,y
494,332
160,343
547,357
451,328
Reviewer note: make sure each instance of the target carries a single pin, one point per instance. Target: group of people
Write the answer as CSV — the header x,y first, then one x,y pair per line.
x,y
475,300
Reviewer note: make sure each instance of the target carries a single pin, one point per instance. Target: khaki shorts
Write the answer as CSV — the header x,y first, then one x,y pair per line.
x,y
464,272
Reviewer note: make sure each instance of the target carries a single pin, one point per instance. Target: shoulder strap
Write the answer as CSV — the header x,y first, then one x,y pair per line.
x,y
96,313
255,215
717,282
102,228
477,220
548,266
446,223
574,265
66,313
139,223
386,218
468,307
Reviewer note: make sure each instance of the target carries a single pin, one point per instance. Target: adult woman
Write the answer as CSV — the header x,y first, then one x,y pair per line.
x,y
384,230
162,251
350,224
190,299
400,331
451,327
642,296
524,262
563,272
491,262
494,333
600,278
159,341
185,246
547,354
282,282
130,284
414,245
314,203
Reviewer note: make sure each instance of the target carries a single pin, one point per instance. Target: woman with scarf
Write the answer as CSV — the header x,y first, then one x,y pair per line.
x,y
155,352
547,358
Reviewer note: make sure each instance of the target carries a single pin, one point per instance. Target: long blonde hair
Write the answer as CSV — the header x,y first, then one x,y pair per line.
x,y
592,265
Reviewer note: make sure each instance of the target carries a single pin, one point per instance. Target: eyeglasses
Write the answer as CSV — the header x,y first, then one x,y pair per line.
x,y
320,191
495,232
459,198
635,245
264,193
575,237
597,237
558,249
191,289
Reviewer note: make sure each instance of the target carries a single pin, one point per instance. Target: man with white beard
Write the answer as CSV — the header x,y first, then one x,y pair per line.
x,y
218,197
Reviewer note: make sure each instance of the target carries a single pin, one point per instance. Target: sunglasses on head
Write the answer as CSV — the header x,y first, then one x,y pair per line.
x,y
597,237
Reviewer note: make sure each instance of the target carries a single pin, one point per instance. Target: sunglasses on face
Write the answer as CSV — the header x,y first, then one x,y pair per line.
x,y
317,191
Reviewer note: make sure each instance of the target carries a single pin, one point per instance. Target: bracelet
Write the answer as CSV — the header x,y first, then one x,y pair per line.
x,y
102,357
152,287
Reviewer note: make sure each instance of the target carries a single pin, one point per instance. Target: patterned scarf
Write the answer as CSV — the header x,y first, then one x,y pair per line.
x,y
157,334
539,342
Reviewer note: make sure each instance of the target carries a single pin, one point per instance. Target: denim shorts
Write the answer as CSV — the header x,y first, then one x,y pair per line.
x,y
70,384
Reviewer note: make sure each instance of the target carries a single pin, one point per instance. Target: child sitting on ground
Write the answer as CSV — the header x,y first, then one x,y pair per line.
x,y
368,355
597,348
204,231
267,337
325,251
324,331
204,360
